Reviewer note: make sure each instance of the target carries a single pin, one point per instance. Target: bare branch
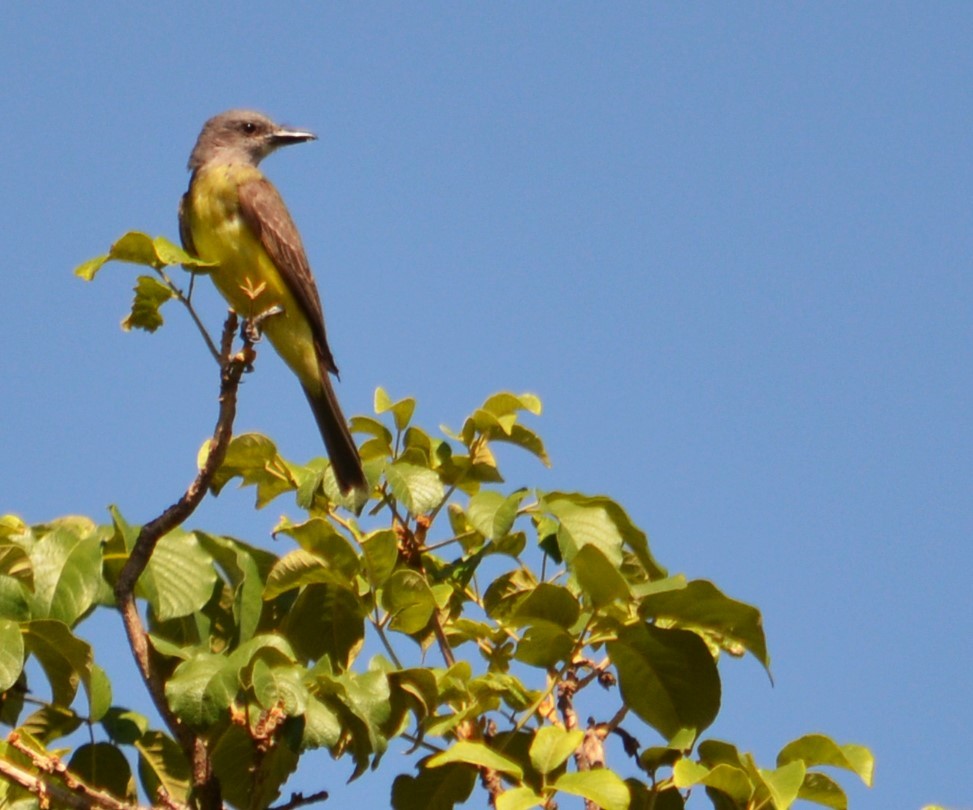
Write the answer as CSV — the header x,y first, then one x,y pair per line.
x,y
231,369
300,800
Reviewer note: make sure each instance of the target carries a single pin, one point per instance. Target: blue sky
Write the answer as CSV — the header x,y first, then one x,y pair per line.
x,y
729,245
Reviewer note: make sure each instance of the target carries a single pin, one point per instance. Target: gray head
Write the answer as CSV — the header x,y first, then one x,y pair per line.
x,y
242,136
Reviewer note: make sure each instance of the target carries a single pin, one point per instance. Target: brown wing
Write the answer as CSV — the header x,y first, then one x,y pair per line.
x,y
264,211
185,235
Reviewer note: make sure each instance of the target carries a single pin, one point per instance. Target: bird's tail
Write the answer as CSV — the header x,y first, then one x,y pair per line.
x,y
341,447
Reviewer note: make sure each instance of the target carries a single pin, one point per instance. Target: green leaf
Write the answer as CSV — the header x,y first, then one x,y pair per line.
x,y
322,725
50,723
65,659
817,749
701,605
552,746
202,689
179,578
402,410
407,596
169,253
104,767
300,568
518,798
668,678
150,295
11,653
99,693
254,459
544,644
124,726
89,269
320,538
15,562
492,514
434,788
248,778
280,686
476,753
547,602
599,521
162,766
135,247
417,488
597,577
505,403
784,783
822,789
729,779
602,786
381,553
66,563
246,568
326,620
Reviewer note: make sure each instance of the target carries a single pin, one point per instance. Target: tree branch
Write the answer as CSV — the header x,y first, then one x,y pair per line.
x,y
231,369
46,785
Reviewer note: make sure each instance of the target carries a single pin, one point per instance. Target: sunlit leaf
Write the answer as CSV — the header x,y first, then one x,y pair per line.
x,y
179,578
601,786
417,488
476,753
817,749
150,295
11,653
552,746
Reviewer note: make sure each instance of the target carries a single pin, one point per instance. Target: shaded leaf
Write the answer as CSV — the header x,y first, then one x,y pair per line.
x,y
104,767
668,678
597,577
326,620
409,599
162,767
702,605
65,659
434,788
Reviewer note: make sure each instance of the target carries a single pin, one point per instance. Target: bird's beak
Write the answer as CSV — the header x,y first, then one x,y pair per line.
x,y
285,136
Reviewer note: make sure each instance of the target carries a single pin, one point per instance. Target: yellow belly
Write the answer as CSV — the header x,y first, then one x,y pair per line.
x,y
245,274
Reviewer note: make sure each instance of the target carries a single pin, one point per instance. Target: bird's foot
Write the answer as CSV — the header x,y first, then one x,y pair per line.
x,y
252,329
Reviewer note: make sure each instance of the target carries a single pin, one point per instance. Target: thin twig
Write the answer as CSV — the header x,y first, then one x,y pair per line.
x,y
300,800
184,300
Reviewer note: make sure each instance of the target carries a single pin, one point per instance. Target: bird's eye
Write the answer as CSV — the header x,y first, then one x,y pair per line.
x,y
249,127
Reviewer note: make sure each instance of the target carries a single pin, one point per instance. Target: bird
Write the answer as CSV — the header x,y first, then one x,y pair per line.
x,y
234,217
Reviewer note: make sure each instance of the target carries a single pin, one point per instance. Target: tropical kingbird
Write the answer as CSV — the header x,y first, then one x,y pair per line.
x,y
233,216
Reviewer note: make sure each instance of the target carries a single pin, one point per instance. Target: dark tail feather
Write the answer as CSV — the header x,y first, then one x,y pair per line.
x,y
337,438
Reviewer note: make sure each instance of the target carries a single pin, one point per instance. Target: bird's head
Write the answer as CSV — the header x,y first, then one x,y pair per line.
x,y
242,136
